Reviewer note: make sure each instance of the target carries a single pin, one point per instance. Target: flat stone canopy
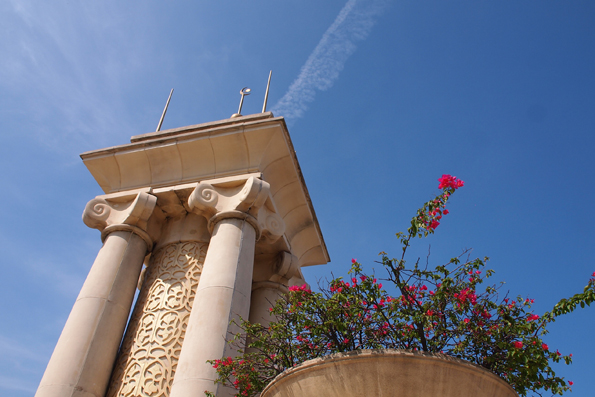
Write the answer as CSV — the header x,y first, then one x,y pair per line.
x,y
174,160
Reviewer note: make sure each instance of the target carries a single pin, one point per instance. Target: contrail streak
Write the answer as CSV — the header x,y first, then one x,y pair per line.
x,y
324,64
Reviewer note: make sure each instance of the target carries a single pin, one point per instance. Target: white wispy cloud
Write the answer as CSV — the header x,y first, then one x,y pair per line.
x,y
13,349
325,63
65,65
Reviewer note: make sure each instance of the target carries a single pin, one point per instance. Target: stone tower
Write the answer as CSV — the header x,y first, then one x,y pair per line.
x,y
220,215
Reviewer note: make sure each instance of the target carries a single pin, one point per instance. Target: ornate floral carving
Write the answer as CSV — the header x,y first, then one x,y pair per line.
x,y
149,353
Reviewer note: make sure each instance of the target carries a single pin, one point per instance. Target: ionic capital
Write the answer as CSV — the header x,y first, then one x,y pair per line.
x,y
246,199
109,215
286,267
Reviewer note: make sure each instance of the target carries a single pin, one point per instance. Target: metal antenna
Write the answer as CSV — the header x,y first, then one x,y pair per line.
x,y
266,95
244,91
164,111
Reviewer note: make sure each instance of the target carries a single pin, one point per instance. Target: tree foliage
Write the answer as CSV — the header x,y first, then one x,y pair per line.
x,y
446,309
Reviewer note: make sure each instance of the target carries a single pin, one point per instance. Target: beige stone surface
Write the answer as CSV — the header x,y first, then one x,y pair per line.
x,y
387,373
264,296
243,145
82,361
234,186
153,342
222,296
271,279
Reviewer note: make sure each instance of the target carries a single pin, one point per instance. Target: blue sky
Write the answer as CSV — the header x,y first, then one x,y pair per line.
x,y
382,97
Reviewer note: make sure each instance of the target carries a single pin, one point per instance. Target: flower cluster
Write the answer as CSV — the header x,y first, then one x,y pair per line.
x,y
303,288
239,373
442,310
429,216
449,181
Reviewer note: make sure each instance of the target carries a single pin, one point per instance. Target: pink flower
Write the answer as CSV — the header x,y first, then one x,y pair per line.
x,y
570,382
433,225
518,344
353,260
558,353
533,317
345,341
354,280
466,321
545,347
449,181
380,285
446,212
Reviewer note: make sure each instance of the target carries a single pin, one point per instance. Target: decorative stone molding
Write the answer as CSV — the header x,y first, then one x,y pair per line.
x,y
120,214
244,198
286,267
271,224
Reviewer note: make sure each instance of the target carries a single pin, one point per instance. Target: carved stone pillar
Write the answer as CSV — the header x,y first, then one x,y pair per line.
x,y
149,354
237,216
83,358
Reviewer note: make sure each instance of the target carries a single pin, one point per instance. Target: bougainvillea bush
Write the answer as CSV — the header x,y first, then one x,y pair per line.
x,y
450,309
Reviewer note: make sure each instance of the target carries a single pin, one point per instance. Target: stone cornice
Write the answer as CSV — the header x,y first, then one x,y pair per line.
x,y
258,144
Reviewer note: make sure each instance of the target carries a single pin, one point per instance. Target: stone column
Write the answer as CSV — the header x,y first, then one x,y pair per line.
x,y
223,293
150,350
270,285
83,358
